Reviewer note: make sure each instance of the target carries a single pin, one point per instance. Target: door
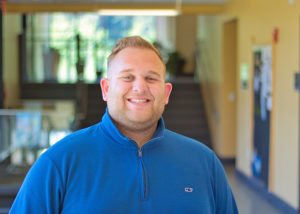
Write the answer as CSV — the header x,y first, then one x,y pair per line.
x,y
229,90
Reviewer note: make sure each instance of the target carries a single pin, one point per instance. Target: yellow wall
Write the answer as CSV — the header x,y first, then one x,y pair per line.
x,y
256,21
210,75
217,77
186,32
11,29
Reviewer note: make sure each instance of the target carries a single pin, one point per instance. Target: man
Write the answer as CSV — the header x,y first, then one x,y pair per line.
x,y
128,163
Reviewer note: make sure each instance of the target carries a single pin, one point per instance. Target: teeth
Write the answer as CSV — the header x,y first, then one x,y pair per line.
x,y
138,101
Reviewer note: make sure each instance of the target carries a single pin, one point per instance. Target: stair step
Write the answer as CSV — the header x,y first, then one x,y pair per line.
x,y
7,196
186,123
186,102
186,86
188,130
4,210
182,106
185,94
171,112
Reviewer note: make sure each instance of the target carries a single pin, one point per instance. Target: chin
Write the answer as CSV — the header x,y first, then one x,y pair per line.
x,y
141,126
140,116
143,121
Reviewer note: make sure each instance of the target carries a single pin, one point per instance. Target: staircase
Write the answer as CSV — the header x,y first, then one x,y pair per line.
x,y
184,114
7,196
10,180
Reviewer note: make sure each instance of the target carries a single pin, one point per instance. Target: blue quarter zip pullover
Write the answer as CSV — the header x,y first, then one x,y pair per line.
x,y
98,170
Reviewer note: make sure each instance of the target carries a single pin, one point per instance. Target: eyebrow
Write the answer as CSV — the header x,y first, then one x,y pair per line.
x,y
154,73
126,71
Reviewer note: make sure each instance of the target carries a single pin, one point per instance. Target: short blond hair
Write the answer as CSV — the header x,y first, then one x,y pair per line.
x,y
131,42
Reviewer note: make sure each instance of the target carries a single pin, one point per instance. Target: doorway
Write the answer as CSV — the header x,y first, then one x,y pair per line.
x,y
229,89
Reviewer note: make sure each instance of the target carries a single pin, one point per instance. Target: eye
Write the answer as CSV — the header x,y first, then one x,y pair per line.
x,y
127,77
151,79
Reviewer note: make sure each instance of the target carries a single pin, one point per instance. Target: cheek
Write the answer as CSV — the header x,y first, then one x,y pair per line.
x,y
159,94
117,90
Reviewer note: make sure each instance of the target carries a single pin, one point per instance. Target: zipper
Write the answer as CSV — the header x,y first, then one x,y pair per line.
x,y
144,192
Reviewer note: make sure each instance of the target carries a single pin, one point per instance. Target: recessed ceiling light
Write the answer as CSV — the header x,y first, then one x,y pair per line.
x,y
138,12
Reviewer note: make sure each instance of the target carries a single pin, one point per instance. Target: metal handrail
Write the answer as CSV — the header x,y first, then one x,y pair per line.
x,y
12,112
9,143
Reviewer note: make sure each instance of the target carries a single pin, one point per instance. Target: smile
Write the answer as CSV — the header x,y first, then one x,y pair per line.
x,y
139,100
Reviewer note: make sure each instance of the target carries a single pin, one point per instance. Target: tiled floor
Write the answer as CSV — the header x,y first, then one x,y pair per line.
x,y
248,201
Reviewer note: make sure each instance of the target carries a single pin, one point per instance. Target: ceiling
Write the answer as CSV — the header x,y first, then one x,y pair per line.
x,y
185,6
122,1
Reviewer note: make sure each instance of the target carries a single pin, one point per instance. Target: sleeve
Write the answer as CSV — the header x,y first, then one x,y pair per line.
x,y
224,199
41,191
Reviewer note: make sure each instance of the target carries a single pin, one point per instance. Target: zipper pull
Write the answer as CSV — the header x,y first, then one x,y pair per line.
x,y
140,152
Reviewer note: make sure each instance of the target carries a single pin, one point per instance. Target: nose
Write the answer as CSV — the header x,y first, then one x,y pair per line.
x,y
140,85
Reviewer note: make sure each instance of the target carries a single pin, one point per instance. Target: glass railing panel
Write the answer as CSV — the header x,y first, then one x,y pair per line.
x,y
24,135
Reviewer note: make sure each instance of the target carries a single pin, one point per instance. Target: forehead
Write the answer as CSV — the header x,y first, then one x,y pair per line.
x,y
136,59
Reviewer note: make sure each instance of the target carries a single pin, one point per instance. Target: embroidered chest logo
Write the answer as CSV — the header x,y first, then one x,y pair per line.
x,y
188,189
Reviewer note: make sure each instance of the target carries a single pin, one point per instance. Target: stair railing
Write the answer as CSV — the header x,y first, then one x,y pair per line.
x,y
26,131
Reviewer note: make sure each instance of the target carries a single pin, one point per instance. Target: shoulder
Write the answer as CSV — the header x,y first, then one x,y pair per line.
x,y
192,153
185,148
180,141
74,152
80,141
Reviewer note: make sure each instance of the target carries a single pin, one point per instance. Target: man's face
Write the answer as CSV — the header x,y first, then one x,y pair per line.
x,y
135,91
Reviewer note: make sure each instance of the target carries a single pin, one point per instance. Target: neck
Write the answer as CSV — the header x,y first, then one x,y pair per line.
x,y
139,136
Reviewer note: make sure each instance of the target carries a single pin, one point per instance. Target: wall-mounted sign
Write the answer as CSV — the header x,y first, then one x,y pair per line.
x,y
244,76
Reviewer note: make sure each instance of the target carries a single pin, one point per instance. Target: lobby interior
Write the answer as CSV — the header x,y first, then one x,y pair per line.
x,y
241,57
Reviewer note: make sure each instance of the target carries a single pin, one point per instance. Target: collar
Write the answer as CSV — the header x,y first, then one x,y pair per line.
x,y
110,129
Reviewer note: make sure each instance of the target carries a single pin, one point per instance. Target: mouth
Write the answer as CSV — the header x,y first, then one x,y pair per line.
x,y
138,101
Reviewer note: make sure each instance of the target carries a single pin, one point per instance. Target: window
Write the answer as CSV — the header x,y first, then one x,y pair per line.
x,y
60,44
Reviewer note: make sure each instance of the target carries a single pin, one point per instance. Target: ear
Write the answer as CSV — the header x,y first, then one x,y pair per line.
x,y
104,87
168,89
